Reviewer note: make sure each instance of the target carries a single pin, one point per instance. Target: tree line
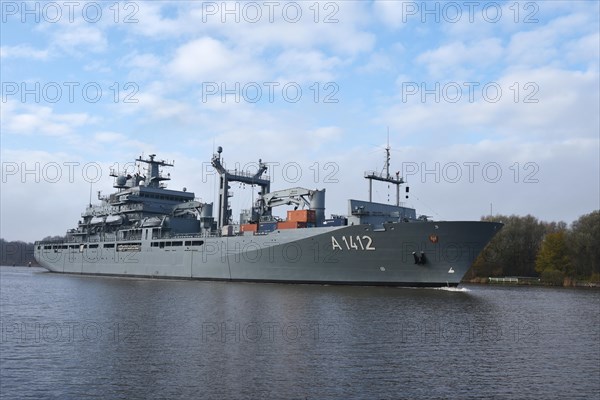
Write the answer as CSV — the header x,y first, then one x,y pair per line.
x,y
552,251
19,253
16,253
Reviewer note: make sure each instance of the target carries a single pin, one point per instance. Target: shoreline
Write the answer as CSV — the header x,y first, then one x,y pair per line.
x,y
530,281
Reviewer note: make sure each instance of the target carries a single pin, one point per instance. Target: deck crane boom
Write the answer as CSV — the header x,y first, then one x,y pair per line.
x,y
298,197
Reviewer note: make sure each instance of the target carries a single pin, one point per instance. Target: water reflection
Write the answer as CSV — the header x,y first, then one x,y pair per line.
x,y
129,338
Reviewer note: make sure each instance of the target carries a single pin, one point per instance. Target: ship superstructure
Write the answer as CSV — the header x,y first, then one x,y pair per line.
x,y
143,201
145,229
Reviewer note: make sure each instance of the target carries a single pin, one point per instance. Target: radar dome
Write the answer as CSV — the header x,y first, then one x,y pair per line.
x,y
121,180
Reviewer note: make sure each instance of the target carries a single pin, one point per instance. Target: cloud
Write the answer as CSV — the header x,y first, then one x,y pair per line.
x,y
323,136
548,43
333,25
158,107
395,14
34,119
141,60
584,50
545,103
459,60
153,24
306,66
141,66
23,51
80,39
207,60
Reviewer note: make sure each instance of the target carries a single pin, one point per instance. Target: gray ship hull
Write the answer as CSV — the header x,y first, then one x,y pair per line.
x,y
400,254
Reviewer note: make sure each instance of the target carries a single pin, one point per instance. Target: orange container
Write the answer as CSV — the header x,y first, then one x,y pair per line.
x,y
248,227
301,215
290,225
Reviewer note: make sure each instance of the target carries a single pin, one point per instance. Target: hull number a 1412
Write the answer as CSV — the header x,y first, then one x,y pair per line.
x,y
349,242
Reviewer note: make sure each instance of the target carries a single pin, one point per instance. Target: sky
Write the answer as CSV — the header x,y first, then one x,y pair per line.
x,y
491,107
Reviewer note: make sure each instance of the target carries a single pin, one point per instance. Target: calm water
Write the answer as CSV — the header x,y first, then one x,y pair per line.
x,y
67,336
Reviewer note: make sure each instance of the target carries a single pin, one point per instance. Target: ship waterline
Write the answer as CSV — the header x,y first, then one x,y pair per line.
x,y
145,230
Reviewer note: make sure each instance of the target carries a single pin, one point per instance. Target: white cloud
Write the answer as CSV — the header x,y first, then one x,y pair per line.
x,y
152,23
395,14
541,103
459,60
23,51
546,44
274,29
306,66
158,107
143,61
207,60
74,38
584,50
323,136
33,120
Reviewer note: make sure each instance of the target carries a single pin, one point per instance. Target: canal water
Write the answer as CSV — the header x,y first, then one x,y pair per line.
x,y
72,337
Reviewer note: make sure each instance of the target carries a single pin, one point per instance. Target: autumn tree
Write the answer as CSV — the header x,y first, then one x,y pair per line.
x,y
554,255
513,250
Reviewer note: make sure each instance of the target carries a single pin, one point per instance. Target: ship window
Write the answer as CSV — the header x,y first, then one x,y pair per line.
x,y
188,243
47,247
180,243
73,246
93,246
197,242
154,244
162,245
109,245
168,244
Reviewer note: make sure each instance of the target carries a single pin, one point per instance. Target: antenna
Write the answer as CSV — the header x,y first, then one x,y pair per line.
x,y
387,155
388,136
91,184
385,176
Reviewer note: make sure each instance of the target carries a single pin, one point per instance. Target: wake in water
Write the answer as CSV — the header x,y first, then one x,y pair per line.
x,y
445,288
453,289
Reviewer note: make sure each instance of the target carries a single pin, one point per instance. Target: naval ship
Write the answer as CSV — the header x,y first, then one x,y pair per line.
x,y
144,229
